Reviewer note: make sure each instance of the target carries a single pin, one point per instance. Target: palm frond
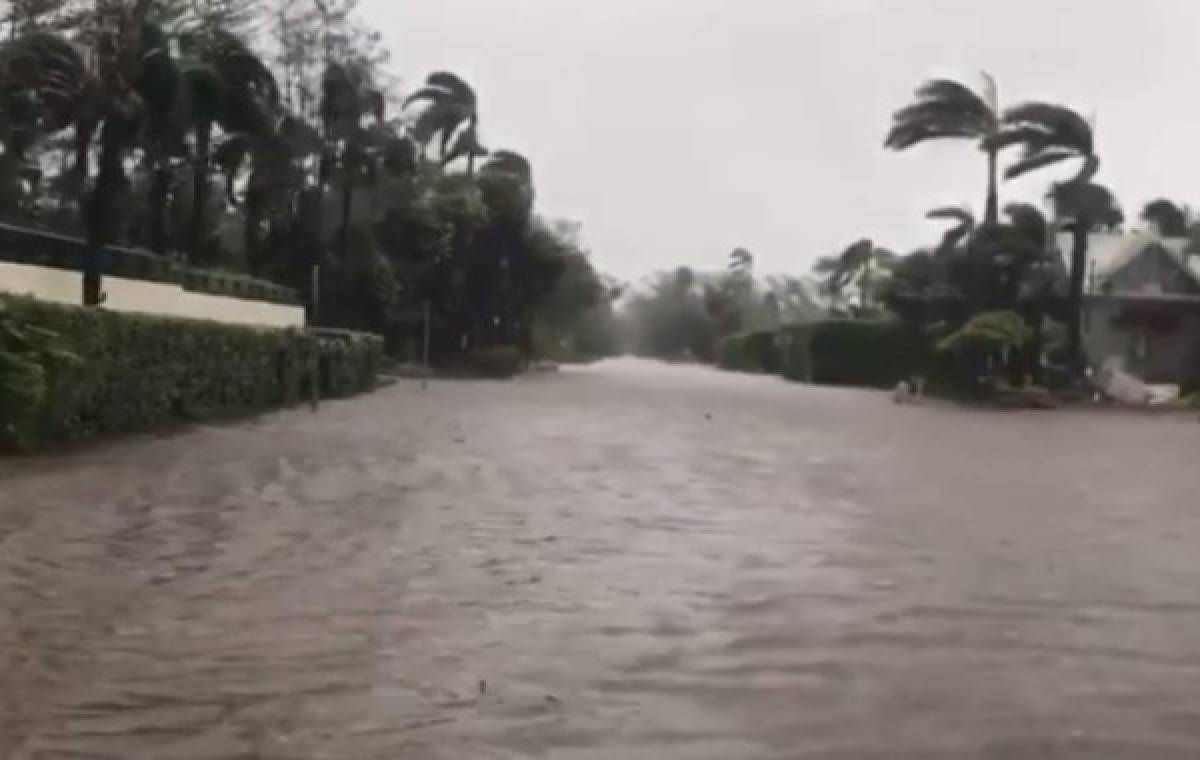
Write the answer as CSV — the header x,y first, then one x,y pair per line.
x,y
509,162
1036,161
826,264
907,135
455,85
958,214
1062,126
951,92
434,95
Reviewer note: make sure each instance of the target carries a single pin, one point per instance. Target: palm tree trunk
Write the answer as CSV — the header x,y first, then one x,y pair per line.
x,y
991,212
1079,244
347,206
100,209
864,287
471,163
160,188
200,192
252,222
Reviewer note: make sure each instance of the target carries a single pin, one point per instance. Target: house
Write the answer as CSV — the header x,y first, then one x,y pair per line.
x,y
1142,305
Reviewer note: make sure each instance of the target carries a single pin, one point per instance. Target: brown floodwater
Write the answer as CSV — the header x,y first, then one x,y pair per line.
x,y
627,561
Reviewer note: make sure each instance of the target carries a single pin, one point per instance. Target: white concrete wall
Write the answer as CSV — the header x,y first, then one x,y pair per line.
x,y
145,297
58,285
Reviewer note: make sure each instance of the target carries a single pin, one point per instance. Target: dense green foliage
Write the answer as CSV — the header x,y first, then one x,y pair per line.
x,y
135,373
756,351
868,353
685,314
29,356
996,331
258,139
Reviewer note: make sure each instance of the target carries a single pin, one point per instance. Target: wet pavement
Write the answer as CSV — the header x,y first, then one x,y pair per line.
x,y
626,561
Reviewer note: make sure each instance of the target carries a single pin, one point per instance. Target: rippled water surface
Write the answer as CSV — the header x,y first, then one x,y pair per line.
x,y
623,561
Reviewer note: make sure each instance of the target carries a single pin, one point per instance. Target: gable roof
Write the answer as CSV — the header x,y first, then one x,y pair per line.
x,y
1109,253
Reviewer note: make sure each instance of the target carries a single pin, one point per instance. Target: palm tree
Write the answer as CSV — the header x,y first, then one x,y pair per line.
x,y
102,82
857,264
1168,219
225,84
1050,134
741,262
349,96
509,266
945,108
276,180
451,115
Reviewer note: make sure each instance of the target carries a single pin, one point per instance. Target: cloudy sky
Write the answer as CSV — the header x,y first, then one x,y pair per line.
x,y
676,130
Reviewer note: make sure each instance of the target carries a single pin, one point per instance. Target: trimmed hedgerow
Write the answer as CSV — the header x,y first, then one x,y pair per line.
x,y
869,353
135,373
756,351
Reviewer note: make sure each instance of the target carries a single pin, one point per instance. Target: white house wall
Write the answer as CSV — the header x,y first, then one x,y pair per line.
x,y
146,297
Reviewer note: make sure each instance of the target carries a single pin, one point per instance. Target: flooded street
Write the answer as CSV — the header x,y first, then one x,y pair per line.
x,y
627,561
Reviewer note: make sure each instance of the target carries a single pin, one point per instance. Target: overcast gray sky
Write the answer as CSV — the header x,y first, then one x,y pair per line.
x,y
676,130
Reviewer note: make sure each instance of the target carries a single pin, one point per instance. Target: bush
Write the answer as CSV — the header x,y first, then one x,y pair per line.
x,y
750,352
869,353
136,373
349,361
990,331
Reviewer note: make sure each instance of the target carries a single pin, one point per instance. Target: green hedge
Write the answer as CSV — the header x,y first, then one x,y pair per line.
x,y
350,361
137,373
795,352
869,353
750,352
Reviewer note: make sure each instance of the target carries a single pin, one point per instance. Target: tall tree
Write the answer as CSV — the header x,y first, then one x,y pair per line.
x,y
349,97
104,90
858,265
1050,134
451,115
741,262
945,108
226,85
1168,219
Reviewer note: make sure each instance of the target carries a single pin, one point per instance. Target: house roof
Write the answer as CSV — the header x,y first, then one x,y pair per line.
x,y
1109,252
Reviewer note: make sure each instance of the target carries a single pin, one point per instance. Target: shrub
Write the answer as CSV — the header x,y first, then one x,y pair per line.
x,y
990,331
28,356
137,373
349,361
749,352
870,353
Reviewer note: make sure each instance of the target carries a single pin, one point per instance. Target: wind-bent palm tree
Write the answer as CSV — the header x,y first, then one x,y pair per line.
x,y
741,262
945,108
1050,134
855,265
451,115
277,177
349,98
225,84
104,90
1168,219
